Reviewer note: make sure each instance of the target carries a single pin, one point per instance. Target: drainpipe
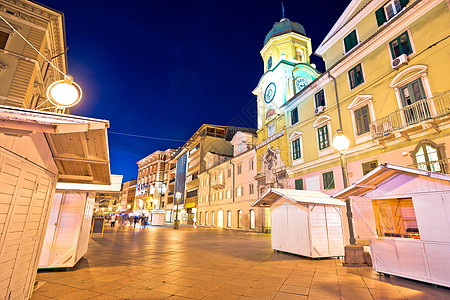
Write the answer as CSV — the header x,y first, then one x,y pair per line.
x,y
337,99
233,177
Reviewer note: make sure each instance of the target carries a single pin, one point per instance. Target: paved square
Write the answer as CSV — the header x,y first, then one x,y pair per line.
x,y
207,263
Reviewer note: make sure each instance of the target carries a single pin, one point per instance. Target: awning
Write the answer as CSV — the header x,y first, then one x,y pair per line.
x,y
299,196
380,175
79,145
115,186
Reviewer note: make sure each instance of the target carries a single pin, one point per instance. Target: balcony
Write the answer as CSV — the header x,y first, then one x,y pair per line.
x,y
439,166
423,115
172,180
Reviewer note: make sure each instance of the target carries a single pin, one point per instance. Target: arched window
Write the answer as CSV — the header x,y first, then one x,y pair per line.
x,y
206,218
200,219
239,219
269,63
299,55
229,218
427,156
213,218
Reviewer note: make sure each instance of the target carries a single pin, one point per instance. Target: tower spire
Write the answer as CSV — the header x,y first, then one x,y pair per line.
x,y
282,10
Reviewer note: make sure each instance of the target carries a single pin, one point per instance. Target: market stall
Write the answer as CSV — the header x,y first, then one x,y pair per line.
x,y
68,229
409,221
36,150
307,223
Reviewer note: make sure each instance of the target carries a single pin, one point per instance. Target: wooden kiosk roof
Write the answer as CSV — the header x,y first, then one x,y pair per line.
x,y
379,176
301,196
79,145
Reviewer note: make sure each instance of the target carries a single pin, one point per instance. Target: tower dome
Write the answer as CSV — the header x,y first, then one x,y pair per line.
x,y
284,26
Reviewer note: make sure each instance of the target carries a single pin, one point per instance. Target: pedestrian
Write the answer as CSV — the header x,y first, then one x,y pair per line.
x,y
135,220
113,220
122,222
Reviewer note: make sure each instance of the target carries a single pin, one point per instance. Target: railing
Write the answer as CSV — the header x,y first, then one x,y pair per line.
x,y
419,111
439,166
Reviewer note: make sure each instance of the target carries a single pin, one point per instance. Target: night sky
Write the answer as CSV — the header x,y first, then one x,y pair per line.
x,y
164,68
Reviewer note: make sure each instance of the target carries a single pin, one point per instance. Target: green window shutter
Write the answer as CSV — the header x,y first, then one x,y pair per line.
x,y
299,184
404,2
328,180
381,16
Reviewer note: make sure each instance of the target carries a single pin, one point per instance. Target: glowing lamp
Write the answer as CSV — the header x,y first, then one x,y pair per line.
x,y
129,206
64,93
340,142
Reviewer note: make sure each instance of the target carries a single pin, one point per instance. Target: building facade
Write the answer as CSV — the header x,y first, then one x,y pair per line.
x,y
386,87
128,194
228,189
287,70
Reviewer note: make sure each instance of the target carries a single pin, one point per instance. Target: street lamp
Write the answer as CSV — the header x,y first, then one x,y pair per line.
x,y
176,221
64,93
354,255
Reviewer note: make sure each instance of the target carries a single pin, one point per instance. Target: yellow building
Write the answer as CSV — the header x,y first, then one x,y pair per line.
x,y
287,70
387,88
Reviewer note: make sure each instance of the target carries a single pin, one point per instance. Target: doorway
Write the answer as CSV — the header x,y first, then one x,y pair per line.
x,y
220,218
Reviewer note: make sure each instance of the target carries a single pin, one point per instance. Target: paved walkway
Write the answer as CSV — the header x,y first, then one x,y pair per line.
x,y
201,263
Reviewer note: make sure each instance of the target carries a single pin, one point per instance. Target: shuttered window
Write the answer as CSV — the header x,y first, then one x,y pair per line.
x,y
389,10
322,134
328,180
355,76
369,166
319,98
362,119
3,39
299,184
294,116
296,153
350,41
400,45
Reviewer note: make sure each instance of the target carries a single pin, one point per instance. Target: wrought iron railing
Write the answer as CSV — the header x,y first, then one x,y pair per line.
x,y
440,166
419,111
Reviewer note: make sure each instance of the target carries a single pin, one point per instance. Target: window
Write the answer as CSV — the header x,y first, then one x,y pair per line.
x,y
239,191
355,76
250,164
294,116
213,214
362,119
239,148
389,10
350,41
299,184
229,218
229,172
401,45
428,158
369,166
271,129
319,98
269,63
296,153
412,92
395,218
228,194
328,180
239,169
252,219
322,134
251,189
239,219
206,218
220,195
3,39
213,197
299,55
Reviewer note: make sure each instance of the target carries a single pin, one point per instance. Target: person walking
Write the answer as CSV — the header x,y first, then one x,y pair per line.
x,y
113,220
135,220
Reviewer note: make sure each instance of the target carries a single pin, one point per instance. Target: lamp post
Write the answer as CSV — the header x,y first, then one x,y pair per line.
x,y
176,221
354,255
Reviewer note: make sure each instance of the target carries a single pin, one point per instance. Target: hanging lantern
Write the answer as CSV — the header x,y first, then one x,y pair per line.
x,y
64,93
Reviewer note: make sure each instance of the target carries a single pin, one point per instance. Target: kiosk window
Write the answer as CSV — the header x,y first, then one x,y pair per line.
x,y
396,218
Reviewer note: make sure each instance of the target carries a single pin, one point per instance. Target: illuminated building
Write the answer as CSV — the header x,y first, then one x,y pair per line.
x,y
150,187
190,163
287,70
169,182
386,80
228,189
128,194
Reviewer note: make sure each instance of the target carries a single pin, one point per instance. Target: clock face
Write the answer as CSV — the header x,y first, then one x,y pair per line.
x,y
300,83
269,94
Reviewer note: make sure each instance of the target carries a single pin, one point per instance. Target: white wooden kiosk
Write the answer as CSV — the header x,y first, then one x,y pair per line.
x,y
35,148
307,223
68,231
405,214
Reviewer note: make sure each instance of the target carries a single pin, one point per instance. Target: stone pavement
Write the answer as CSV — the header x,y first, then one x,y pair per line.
x,y
207,263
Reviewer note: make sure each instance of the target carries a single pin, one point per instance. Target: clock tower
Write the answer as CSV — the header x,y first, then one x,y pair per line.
x,y
287,69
